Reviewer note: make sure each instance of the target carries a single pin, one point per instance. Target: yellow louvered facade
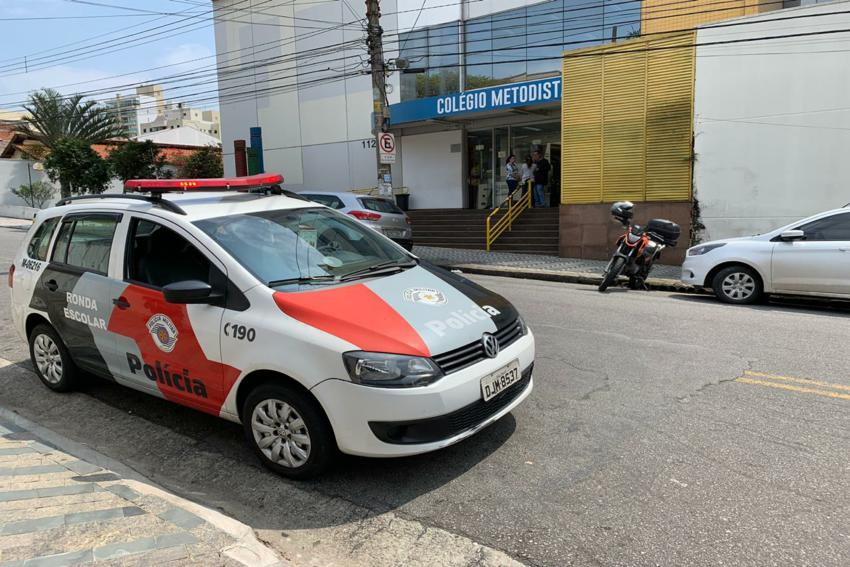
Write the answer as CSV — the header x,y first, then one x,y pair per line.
x,y
659,16
627,121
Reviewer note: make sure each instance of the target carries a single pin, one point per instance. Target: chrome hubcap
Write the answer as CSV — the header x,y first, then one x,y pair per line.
x,y
738,286
281,433
48,359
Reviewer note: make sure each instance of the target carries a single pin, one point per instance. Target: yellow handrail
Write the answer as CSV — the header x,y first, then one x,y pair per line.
x,y
505,222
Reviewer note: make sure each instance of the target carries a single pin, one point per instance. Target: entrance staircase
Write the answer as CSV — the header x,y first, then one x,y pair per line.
x,y
535,231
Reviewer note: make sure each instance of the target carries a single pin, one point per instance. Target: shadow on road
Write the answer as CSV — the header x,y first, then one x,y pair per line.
x,y
206,459
787,304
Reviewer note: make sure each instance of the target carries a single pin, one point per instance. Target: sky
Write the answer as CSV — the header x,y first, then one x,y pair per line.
x,y
67,49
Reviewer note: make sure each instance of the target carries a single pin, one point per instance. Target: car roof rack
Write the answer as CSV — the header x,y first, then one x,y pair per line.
x,y
156,200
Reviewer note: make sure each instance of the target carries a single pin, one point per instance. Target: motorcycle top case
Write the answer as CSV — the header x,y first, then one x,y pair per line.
x,y
667,230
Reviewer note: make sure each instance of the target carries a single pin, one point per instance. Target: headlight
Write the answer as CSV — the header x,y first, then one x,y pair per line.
x,y
704,249
390,370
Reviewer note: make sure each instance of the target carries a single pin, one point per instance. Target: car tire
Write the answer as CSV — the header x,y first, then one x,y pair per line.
x,y
738,285
295,440
51,359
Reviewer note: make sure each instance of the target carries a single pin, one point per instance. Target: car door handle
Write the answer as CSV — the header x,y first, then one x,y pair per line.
x,y
51,285
121,302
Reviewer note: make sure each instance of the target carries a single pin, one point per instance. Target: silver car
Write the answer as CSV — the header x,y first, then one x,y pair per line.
x,y
376,212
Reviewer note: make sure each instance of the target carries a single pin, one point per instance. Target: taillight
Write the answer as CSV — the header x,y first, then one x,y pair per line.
x,y
408,219
365,215
12,275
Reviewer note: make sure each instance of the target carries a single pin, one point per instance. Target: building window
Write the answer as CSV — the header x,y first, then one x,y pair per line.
x,y
436,52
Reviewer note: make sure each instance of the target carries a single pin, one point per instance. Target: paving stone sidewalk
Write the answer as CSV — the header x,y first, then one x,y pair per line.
x,y
533,266
58,510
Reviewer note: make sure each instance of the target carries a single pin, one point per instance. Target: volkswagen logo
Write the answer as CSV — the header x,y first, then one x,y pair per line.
x,y
491,345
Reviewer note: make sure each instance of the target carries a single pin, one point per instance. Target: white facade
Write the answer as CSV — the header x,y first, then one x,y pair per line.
x,y
181,136
275,63
772,121
318,135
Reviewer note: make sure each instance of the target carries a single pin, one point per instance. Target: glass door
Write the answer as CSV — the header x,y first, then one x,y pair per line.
x,y
502,149
480,173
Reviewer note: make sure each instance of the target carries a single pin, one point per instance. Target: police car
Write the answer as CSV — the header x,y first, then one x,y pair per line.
x,y
239,299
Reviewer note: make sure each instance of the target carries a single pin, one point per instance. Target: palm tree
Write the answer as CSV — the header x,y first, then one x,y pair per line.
x,y
53,117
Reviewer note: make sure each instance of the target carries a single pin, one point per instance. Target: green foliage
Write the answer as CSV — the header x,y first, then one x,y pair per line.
x,y
77,168
53,118
137,160
204,163
36,194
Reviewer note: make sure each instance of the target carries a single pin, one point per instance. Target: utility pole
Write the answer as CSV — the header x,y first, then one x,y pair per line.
x,y
381,114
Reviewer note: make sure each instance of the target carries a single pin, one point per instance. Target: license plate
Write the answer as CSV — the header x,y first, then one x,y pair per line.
x,y
498,381
394,233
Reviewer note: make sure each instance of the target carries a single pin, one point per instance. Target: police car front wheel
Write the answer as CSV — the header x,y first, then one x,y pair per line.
x,y
52,362
288,431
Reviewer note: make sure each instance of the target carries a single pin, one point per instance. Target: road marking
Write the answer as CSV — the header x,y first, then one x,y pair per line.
x,y
770,383
798,380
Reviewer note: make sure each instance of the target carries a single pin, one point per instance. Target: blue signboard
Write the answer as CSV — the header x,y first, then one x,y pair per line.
x,y
528,93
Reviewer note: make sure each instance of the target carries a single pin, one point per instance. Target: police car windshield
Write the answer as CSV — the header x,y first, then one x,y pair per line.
x,y
293,247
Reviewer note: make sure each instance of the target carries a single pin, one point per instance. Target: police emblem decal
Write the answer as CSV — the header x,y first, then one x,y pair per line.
x,y
426,295
163,332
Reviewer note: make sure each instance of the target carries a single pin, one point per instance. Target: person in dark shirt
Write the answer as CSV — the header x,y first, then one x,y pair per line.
x,y
541,178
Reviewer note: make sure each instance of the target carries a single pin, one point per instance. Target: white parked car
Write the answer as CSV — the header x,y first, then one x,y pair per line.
x,y
808,257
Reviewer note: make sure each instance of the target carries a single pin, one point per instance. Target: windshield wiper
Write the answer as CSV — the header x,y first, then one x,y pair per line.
x,y
302,279
389,266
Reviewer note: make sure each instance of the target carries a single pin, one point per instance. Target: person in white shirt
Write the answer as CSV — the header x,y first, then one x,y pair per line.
x,y
512,174
527,173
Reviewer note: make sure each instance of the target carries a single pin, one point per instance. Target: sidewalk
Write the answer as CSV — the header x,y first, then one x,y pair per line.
x,y
57,509
532,266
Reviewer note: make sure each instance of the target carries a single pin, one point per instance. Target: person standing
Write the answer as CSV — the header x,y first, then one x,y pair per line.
x,y
512,174
541,178
527,173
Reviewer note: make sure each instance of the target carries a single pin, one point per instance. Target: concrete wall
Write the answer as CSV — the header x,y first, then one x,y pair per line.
x,y
313,133
772,126
587,231
13,174
432,172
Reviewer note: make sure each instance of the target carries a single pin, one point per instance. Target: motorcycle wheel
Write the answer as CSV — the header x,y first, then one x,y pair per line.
x,y
615,267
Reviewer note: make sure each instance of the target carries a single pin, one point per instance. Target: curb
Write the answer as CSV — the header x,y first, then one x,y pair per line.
x,y
247,550
661,284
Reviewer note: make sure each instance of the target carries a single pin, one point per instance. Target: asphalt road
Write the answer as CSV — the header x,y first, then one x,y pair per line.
x,y
665,429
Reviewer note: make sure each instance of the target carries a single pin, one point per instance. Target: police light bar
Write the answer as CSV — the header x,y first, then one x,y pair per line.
x,y
215,184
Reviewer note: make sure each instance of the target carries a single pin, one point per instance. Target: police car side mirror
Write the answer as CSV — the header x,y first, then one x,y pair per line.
x,y
190,291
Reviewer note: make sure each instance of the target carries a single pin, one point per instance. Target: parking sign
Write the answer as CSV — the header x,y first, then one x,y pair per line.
x,y
386,147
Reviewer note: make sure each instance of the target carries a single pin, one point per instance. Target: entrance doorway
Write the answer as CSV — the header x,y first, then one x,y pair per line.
x,y
487,154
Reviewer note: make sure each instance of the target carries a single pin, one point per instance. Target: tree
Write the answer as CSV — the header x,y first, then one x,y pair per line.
x,y
77,168
137,160
53,118
35,194
204,163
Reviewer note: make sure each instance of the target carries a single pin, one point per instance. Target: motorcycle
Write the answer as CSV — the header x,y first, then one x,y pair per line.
x,y
638,248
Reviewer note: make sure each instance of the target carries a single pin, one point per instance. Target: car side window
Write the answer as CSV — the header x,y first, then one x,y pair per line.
x,y
835,227
327,200
86,241
158,256
37,248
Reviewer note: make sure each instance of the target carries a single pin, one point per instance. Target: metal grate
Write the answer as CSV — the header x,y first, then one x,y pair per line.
x,y
469,354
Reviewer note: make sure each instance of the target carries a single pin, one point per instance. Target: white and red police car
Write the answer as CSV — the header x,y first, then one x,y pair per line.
x,y
239,299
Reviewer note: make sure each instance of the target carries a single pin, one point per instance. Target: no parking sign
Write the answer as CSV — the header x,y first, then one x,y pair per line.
x,y
386,147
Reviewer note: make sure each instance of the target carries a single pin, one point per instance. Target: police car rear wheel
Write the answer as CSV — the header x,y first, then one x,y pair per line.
x,y
288,431
52,362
